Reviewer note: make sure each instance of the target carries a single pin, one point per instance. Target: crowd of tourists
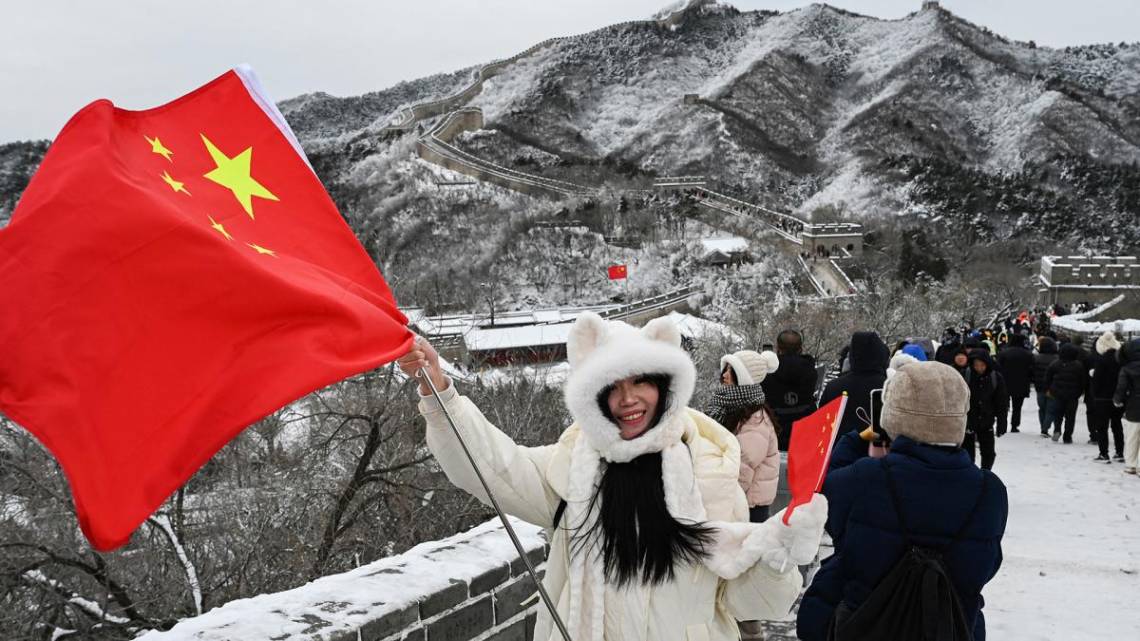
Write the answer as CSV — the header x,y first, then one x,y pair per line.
x,y
653,537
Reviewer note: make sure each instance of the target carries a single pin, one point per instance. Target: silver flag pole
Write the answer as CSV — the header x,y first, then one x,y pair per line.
x,y
495,503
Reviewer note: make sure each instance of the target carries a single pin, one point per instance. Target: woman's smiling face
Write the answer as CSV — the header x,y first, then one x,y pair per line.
x,y
633,404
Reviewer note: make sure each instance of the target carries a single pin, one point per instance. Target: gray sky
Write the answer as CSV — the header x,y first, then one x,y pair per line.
x,y
58,55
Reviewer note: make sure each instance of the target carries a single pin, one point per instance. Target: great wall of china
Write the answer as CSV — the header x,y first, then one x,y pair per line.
x,y
477,590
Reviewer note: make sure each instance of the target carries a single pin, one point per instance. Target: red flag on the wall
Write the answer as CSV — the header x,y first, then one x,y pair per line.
x,y
810,450
618,272
169,277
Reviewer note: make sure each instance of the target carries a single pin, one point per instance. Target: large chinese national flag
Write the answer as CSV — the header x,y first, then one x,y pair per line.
x,y
169,277
810,450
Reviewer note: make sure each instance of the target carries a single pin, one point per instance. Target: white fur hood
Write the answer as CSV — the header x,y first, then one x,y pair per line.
x,y
603,352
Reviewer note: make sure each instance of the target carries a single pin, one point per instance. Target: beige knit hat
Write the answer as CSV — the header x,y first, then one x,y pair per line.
x,y
927,402
750,367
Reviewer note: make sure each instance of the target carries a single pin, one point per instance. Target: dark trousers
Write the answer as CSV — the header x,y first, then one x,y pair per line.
x,y
1015,403
758,514
1042,413
983,439
1062,410
1105,415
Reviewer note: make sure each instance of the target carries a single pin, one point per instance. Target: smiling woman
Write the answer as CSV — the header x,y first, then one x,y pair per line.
x,y
649,533
635,403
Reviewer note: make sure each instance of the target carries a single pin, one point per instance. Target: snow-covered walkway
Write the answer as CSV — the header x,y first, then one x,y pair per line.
x,y
1072,546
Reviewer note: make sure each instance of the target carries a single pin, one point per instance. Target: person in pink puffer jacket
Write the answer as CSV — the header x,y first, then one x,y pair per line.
x,y
740,406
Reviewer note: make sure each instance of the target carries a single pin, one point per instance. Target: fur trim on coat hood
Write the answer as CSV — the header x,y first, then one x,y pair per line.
x,y
603,352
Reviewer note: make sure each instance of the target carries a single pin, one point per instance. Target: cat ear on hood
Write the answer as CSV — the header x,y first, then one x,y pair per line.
x,y
588,332
663,329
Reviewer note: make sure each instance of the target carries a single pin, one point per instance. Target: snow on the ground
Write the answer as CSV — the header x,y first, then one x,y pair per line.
x,y
1072,546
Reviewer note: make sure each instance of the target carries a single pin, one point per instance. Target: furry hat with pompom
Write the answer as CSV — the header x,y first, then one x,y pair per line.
x,y
750,367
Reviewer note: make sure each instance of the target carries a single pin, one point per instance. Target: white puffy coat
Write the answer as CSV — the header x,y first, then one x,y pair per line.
x,y
698,605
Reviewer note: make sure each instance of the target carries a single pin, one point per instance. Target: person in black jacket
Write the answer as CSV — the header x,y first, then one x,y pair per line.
x,y
1088,358
1127,396
989,402
869,357
1016,363
1046,355
951,341
1103,414
790,390
1065,381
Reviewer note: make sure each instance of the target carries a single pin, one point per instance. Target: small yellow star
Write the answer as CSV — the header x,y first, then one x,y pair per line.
x,y
261,250
233,174
174,184
219,227
157,147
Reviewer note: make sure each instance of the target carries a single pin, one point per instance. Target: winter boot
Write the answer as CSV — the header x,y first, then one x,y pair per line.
x,y
1056,435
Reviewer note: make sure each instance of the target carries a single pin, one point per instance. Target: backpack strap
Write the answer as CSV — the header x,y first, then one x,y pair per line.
x,y
977,505
558,513
898,504
902,519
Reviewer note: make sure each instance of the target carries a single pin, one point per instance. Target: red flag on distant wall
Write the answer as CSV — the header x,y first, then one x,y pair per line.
x,y
169,277
810,451
618,272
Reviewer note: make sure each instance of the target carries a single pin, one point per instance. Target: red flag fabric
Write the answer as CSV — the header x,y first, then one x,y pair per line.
x,y
169,277
810,450
618,272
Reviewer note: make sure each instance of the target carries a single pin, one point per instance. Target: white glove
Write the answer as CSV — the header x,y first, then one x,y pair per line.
x,y
796,543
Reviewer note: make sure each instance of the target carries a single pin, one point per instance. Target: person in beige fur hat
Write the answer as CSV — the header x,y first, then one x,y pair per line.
x,y
924,492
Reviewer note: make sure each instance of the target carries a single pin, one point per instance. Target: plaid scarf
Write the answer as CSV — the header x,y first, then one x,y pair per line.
x,y
733,397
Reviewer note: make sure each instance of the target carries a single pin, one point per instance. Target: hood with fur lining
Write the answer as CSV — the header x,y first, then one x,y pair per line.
x,y
603,352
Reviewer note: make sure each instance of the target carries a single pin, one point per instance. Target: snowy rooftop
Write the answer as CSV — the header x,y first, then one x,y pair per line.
x,y
730,245
516,337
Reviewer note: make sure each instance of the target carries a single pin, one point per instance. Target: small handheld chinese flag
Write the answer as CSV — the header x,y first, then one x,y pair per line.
x,y
618,272
169,277
810,450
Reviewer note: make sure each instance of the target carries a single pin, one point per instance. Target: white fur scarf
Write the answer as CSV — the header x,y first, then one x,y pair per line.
x,y
587,574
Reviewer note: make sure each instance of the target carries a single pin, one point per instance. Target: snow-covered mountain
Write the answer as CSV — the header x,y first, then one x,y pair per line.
x,y
928,121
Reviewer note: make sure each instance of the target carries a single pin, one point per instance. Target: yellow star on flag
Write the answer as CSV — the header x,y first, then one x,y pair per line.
x,y
261,250
233,174
219,227
174,184
157,147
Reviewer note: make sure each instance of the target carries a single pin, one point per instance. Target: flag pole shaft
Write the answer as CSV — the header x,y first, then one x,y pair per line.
x,y
422,375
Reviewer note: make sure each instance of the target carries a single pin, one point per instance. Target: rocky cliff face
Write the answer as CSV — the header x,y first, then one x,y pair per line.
x,y
927,121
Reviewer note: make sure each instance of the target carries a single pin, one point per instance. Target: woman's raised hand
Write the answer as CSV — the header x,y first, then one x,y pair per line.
x,y
422,356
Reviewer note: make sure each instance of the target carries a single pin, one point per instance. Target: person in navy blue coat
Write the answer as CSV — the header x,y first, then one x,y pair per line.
x,y
940,489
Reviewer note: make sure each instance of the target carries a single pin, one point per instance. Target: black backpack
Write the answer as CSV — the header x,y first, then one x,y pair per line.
x,y
915,601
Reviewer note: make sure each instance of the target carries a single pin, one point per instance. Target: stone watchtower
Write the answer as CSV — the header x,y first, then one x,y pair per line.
x,y
834,240
1092,279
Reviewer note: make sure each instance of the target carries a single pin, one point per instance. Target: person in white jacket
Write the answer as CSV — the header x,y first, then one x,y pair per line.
x,y
653,543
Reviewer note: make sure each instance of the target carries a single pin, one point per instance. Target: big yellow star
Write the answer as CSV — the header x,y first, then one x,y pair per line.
x,y
221,229
157,147
174,184
261,250
233,174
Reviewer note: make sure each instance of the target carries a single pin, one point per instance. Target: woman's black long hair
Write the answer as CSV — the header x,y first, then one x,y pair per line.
x,y
640,539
